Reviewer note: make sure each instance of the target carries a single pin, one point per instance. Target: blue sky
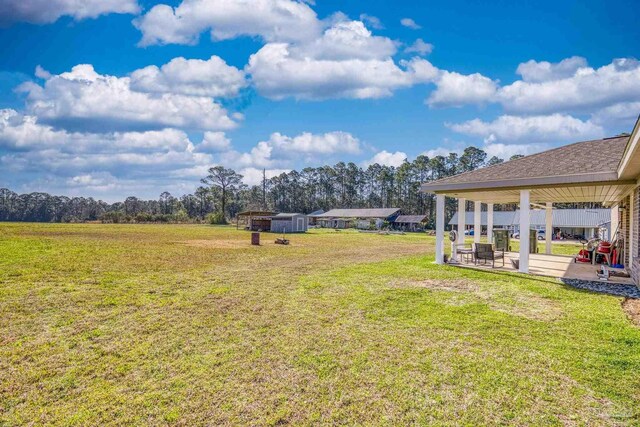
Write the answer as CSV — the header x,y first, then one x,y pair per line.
x,y
87,108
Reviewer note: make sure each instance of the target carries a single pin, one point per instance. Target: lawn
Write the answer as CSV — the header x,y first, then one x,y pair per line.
x,y
190,325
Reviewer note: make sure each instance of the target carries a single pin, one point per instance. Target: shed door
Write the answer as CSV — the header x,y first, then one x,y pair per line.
x,y
300,224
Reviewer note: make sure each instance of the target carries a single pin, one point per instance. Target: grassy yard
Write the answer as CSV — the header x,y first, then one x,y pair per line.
x,y
190,325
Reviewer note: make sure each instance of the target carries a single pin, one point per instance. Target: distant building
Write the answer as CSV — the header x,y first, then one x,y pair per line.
x,y
289,223
255,220
585,223
410,222
313,217
363,219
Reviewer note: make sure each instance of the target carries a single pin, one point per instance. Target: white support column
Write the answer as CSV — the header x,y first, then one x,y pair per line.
x,y
548,228
439,228
477,221
525,223
489,222
615,222
462,218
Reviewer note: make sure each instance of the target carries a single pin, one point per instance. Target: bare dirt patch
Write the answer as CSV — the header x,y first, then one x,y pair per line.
x,y
515,302
631,307
453,285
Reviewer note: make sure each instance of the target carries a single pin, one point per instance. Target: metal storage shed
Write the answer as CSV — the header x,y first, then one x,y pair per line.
x,y
289,223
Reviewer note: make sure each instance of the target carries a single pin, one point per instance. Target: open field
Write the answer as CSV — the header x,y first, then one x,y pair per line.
x,y
190,325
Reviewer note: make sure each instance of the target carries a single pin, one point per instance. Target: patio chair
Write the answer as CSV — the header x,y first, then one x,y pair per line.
x,y
485,252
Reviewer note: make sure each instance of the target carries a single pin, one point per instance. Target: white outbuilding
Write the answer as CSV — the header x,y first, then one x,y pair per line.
x,y
289,223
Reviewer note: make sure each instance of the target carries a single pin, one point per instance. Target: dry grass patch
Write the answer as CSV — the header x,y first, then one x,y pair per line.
x,y
631,307
517,302
217,244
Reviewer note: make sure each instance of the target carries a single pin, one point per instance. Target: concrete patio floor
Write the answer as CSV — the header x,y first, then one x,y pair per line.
x,y
560,266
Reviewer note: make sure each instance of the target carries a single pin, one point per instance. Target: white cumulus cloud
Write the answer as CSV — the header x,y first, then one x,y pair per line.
x,y
272,20
112,161
534,71
213,78
455,90
578,88
551,128
346,62
86,100
387,158
214,142
282,150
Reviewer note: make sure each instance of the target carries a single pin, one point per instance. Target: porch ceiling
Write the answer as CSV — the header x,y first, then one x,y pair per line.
x,y
606,193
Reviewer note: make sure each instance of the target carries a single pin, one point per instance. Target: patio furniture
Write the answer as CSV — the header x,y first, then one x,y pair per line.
x,y
465,251
485,252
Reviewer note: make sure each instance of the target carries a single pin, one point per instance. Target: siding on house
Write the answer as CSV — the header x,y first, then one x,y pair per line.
x,y
562,218
635,217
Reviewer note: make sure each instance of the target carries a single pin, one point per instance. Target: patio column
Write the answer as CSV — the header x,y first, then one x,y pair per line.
x,y
439,228
462,218
615,222
477,221
548,228
489,222
525,222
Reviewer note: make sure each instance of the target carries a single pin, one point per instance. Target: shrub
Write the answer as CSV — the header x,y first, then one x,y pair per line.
x,y
216,218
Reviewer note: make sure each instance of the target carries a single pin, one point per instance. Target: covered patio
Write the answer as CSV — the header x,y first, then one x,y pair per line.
x,y
560,266
574,173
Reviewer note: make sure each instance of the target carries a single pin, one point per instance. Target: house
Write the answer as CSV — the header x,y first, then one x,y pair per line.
x,y
289,223
410,222
578,223
603,170
364,219
313,217
501,219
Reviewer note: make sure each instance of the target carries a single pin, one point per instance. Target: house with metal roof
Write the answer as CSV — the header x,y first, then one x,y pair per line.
x,y
410,222
313,217
357,218
605,170
577,223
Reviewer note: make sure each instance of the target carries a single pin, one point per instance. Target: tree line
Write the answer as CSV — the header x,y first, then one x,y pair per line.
x,y
223,194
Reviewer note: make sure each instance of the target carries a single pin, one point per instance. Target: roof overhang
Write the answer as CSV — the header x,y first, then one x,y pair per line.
x,y
608,192
522,182
630,164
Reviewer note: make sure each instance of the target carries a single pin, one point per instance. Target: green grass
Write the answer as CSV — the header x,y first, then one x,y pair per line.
x,y
190,325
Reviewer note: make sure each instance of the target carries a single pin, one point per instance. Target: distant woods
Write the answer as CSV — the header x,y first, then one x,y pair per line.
x,y
223,194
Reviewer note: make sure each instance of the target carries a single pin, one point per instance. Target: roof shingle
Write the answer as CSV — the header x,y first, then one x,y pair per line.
x,y
598,158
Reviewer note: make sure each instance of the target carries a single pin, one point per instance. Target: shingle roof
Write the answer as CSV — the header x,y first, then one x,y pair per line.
x,y
410,219
588,218
360,213
593,161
